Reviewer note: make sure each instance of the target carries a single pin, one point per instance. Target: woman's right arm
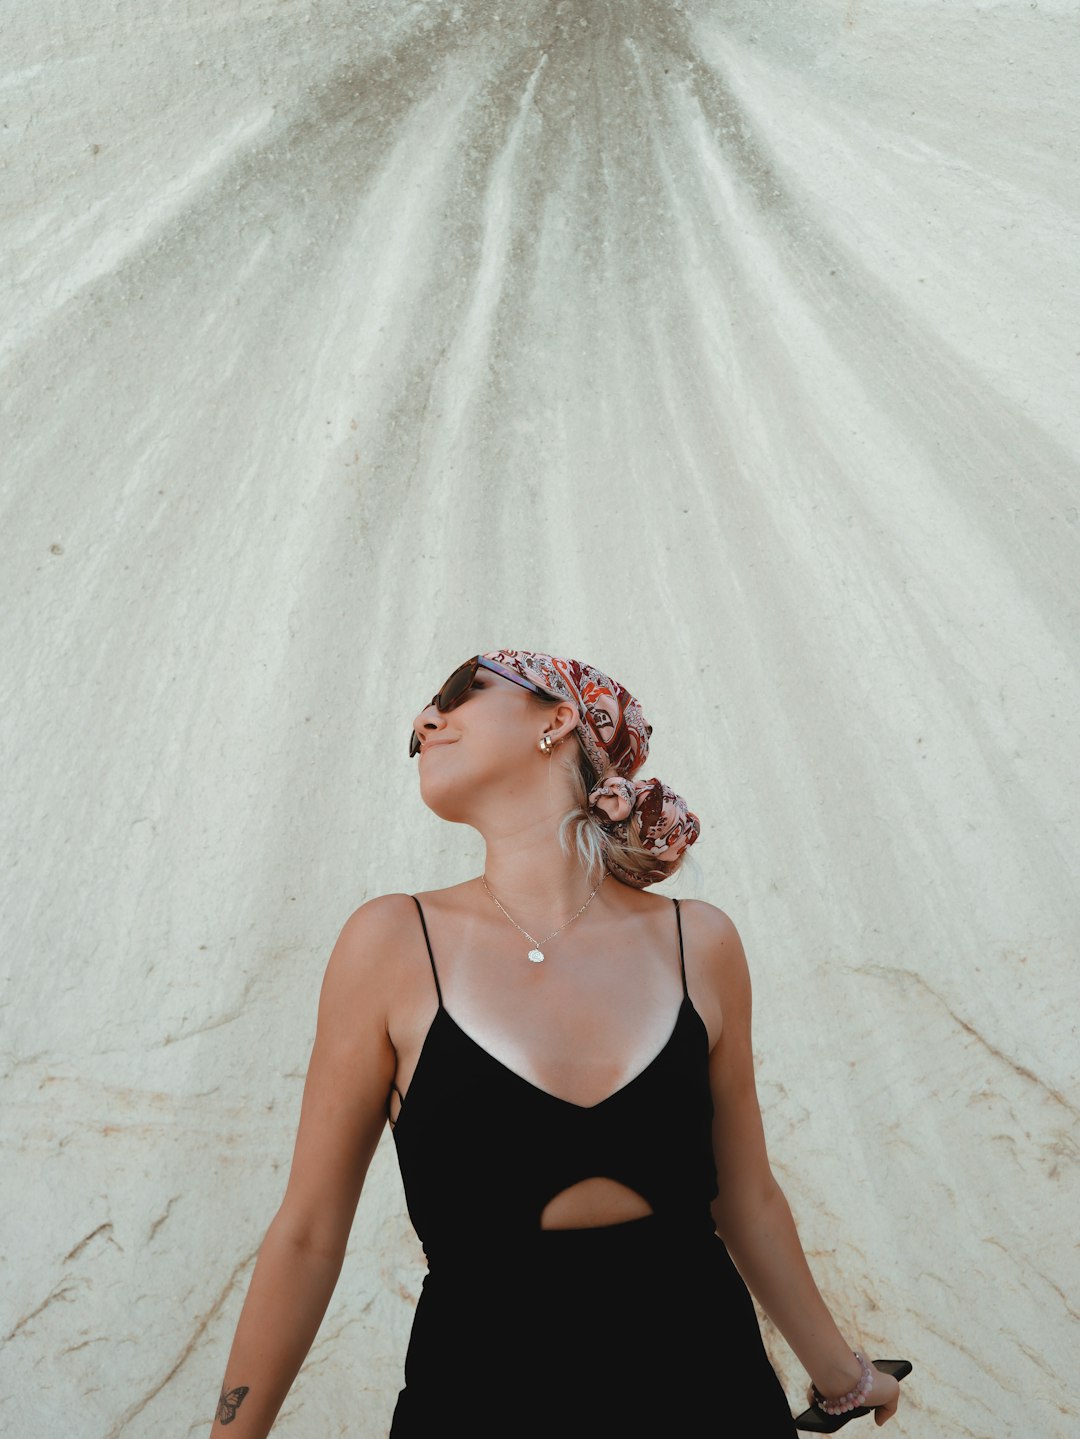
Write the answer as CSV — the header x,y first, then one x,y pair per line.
x,y
342,1115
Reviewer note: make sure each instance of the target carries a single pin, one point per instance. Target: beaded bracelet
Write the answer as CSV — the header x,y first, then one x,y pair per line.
x,y
854,1397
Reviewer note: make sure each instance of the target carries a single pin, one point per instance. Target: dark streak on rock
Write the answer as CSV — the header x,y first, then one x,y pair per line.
x,y
71,1348
229,1017
102,1228
161,1218
1034,1269
1021,1069
201,1323
60,1293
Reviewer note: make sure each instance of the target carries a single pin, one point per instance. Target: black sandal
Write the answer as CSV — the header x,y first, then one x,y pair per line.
x,y
816,1421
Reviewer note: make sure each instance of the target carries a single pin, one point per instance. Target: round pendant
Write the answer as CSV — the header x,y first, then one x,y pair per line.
x,y
536,956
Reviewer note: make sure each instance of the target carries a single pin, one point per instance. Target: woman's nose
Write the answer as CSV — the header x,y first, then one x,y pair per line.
x,y
429,720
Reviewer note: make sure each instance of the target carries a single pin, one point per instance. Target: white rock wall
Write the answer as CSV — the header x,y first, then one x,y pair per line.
x,y
730,346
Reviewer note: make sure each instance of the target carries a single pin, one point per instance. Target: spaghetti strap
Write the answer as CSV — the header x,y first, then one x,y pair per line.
x,y
434,971
682,961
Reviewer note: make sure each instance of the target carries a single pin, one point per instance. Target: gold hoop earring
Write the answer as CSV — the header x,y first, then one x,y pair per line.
x,y
547,744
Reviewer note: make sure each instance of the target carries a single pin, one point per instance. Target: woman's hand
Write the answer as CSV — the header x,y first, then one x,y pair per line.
x,y
883,1397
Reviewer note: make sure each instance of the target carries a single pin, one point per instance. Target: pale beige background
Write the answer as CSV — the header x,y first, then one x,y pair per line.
x,y
730,346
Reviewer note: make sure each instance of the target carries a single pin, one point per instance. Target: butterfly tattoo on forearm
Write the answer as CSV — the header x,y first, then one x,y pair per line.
x,y
229,1403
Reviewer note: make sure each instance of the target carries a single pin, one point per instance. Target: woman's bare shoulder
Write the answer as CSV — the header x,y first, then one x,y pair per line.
x,y
380,925
381,911
449,894
370,937
714,942
706,913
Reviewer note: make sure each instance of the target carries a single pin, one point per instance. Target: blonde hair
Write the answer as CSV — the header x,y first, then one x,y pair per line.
x,y
599,844
594,840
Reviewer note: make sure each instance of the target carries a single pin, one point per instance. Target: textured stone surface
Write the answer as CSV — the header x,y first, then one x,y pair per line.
x,y
732,347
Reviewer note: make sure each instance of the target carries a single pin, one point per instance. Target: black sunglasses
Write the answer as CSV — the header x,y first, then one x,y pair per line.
x,y
461,682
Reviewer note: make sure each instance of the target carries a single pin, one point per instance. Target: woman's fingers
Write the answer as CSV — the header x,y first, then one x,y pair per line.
x,y
884,1396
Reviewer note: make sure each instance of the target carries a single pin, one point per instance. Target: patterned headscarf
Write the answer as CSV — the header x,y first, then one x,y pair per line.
x,y
613,733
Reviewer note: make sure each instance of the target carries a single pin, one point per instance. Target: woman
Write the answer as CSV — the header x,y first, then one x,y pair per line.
x,y
566,1064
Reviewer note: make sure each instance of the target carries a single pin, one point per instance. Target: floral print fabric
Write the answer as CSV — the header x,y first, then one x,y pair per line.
x,y
614,734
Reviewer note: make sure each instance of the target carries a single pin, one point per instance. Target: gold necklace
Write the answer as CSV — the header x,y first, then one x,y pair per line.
x,y
536,954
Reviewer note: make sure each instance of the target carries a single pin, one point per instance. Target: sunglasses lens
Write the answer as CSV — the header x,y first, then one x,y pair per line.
x,y
457,685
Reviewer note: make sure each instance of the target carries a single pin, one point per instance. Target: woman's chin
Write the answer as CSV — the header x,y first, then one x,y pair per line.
x,y
442,799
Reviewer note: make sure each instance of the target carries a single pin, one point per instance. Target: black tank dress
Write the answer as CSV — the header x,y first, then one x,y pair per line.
x,y
641,1328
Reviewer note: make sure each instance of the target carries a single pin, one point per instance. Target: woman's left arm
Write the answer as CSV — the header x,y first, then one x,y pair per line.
x,y
751,1213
